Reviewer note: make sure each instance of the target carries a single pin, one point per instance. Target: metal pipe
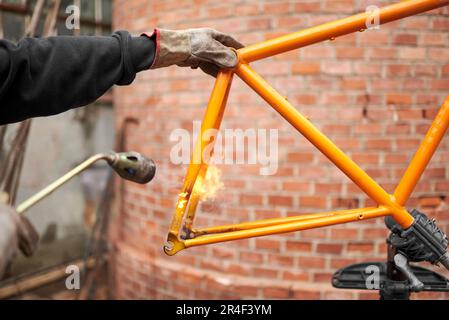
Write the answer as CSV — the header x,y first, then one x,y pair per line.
x,y
214,109
424,154
335,29
193,203
24,206
273,221
286,227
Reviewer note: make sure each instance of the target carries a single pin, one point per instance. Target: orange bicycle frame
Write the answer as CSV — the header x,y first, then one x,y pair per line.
x,y
182,234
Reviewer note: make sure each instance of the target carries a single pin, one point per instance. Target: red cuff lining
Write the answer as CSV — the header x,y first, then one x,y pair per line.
x,y
155,35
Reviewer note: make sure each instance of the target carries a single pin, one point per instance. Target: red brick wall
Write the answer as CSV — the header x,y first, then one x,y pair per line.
x,y
374,93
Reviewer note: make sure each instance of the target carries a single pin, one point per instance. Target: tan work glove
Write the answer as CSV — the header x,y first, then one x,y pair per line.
x,y
16,233
202,48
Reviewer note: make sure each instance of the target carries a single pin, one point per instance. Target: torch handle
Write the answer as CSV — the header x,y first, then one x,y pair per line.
x,y
24,206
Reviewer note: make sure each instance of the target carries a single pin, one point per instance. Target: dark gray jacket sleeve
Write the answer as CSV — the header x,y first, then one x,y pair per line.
x,y
42,77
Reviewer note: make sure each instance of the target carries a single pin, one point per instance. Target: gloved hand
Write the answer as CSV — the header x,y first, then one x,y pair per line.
x,y
205,48
16,233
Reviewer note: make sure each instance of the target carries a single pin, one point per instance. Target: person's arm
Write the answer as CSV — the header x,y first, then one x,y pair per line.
x,y
42,77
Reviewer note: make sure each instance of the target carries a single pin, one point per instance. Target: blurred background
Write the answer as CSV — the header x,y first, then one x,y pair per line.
x,y
63,220
374,93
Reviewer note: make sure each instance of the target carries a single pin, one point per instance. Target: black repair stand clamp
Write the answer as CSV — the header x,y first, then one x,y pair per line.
x,y
396,279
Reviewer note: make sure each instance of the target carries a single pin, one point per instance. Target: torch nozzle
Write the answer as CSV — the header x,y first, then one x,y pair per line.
x,y
133,166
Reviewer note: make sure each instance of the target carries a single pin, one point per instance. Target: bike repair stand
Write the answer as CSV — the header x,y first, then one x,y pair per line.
x,y
395,279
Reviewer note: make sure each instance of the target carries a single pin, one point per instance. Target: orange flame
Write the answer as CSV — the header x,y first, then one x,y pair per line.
x,y
206,188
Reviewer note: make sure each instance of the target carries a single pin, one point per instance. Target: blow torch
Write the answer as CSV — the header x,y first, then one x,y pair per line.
x,y
130,166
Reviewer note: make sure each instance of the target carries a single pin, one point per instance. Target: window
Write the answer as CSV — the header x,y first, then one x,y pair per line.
x,y
95,17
